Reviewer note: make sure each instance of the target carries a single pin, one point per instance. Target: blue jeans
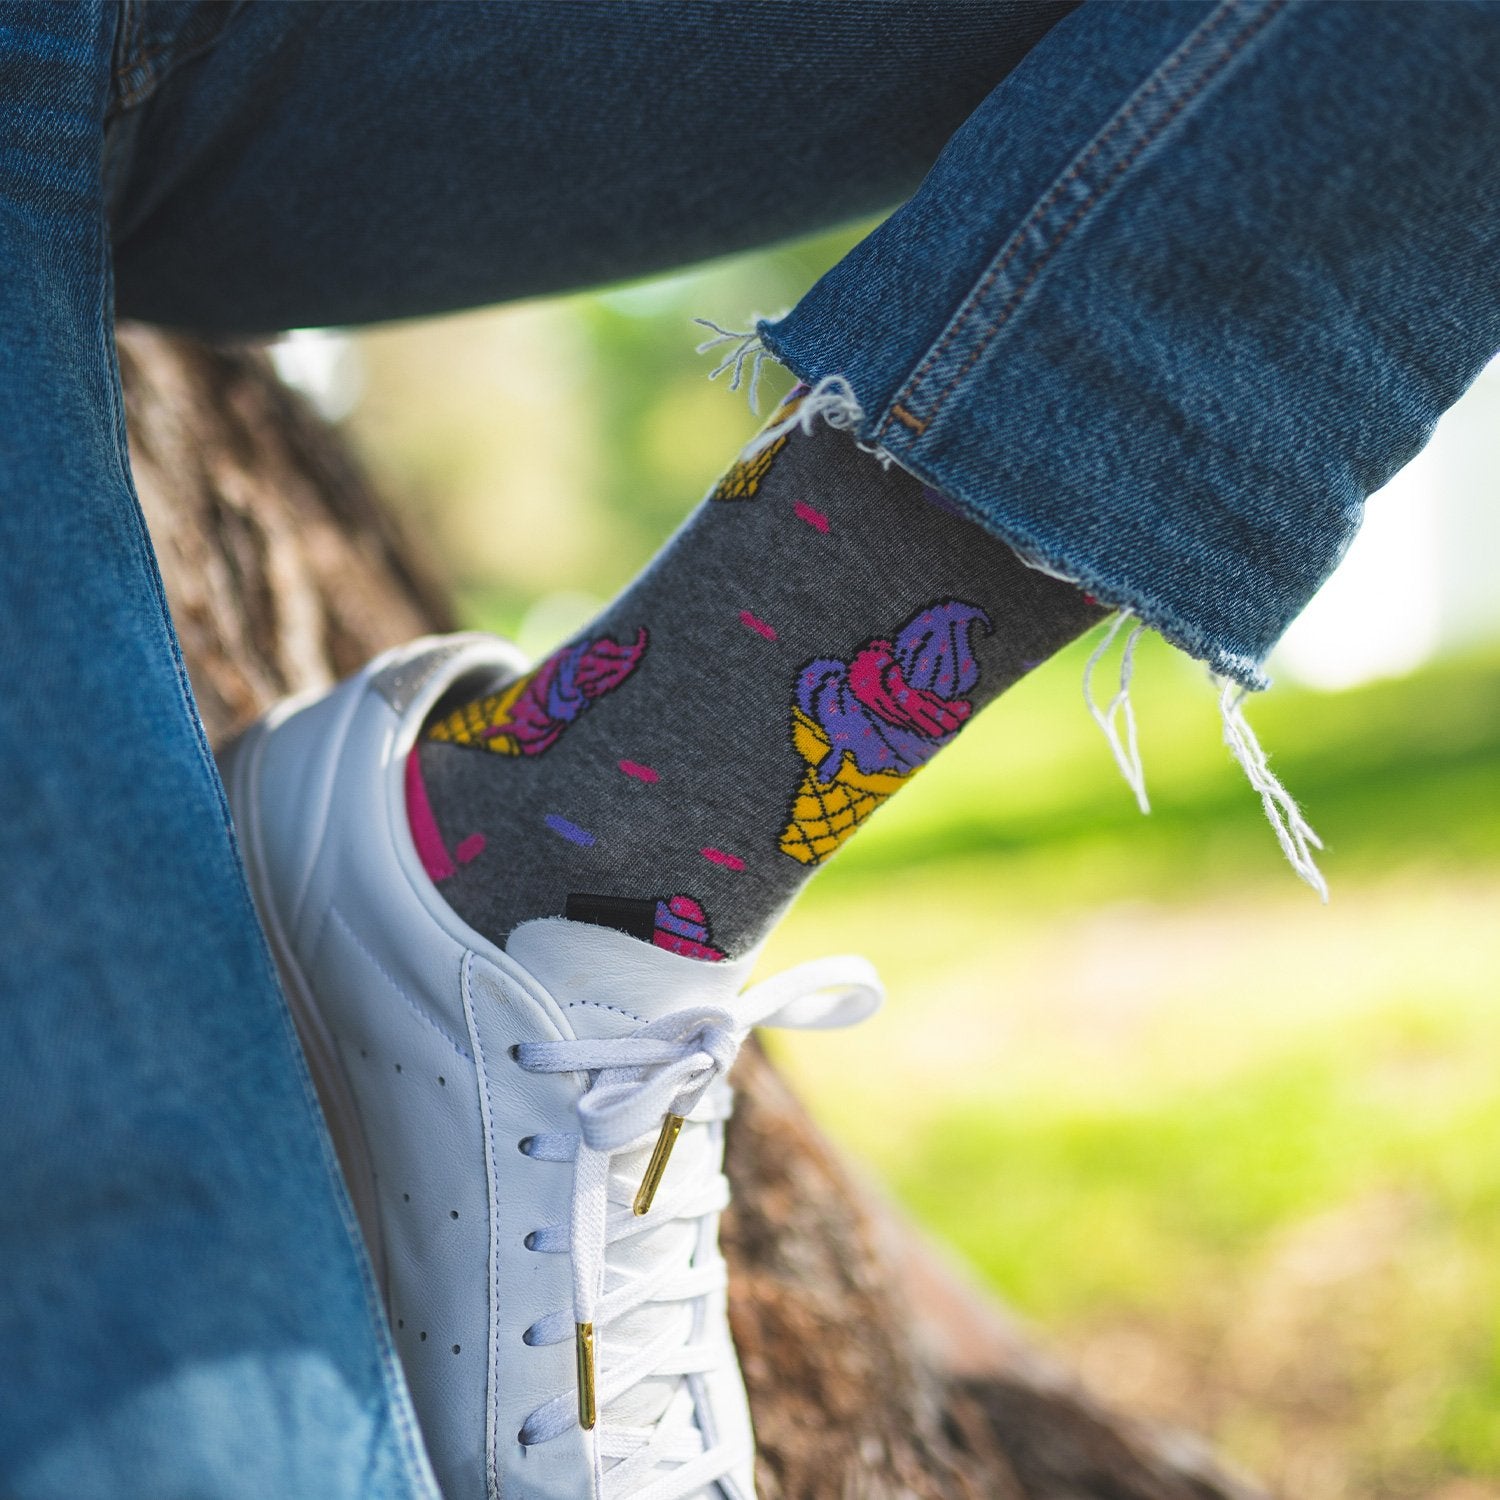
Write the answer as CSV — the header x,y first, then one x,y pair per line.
x,y
1186,282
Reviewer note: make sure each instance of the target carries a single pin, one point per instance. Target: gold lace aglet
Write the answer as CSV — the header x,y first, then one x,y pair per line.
x,y
671,1128
587,1411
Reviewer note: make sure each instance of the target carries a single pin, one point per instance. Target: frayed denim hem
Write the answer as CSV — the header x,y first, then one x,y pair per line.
x,y
832,399
1056,558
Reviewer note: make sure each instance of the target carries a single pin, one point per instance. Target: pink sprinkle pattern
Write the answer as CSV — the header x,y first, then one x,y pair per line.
x,y
469,849
759,626
814,518
640,772
719,857
424,829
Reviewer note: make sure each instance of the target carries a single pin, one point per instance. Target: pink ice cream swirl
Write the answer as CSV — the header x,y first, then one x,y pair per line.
x,y
563,686
896,703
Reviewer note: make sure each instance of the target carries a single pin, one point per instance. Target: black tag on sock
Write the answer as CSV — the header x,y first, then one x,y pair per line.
x,y
629,914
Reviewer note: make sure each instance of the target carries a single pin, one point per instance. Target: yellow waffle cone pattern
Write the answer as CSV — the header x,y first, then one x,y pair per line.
x,y
483,722
825,813
744,476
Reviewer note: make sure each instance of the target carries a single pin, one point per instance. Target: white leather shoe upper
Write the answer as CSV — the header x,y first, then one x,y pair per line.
x,y
495,1113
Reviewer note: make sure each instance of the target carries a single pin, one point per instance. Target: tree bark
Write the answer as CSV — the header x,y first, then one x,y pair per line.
x,y
874,1371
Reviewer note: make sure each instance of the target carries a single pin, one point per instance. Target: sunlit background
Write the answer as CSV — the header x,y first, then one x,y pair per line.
x,y
1237,1154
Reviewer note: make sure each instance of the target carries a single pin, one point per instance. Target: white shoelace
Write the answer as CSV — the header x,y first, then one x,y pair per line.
x,y
667,1068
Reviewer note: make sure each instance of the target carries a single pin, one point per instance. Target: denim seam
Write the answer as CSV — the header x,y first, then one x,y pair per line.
x,y
997,268
131,58
131,64
127,37
140,74
900,407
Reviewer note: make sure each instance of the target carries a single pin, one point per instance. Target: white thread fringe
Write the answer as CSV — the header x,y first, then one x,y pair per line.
x,y
831,400
1293,832
747,349
1126,751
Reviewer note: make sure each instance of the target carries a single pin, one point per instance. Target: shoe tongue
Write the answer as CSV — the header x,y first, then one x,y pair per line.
x,y
609,982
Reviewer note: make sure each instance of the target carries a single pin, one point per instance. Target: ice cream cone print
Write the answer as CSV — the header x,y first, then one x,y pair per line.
x,y
825,813
866,726
474,723
528,715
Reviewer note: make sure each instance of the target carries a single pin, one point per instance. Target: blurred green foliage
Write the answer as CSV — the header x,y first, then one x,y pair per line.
x,y
1234,1150
553,446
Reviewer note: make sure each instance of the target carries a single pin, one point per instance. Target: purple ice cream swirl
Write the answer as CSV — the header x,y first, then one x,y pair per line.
x,y
564,685
894,704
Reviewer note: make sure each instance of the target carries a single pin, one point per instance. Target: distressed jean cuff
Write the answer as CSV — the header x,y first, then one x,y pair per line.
x,y
1164,313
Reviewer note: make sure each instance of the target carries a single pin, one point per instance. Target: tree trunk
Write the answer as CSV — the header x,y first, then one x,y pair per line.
x,y
874,1371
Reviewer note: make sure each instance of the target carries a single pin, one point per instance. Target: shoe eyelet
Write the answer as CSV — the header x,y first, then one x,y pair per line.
x,y
515,1052
530,1241
524,1144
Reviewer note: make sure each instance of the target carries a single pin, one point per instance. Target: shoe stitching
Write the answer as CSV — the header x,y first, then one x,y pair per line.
x,y
395,984
619,1010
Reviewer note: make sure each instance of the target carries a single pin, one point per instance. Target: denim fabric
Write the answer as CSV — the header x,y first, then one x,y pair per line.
x,y
339,163
1188,283
1191,283
184,1306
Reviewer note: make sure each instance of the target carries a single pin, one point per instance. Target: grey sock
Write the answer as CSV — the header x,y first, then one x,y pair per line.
x,y
813,634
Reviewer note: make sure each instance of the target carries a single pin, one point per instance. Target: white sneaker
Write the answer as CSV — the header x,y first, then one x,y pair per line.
x,y
502,1117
